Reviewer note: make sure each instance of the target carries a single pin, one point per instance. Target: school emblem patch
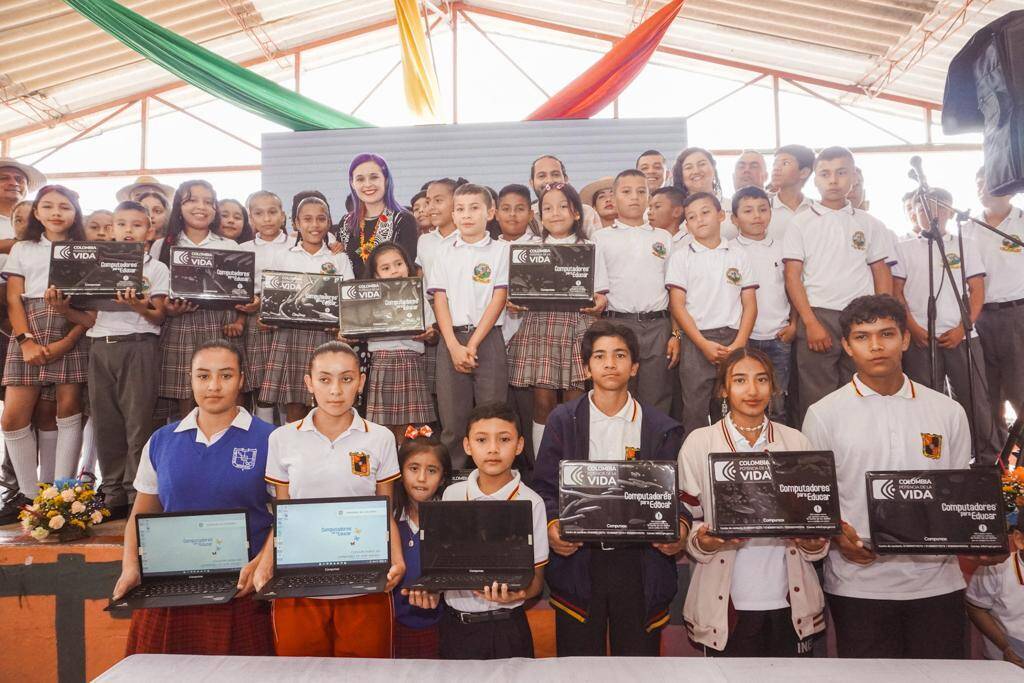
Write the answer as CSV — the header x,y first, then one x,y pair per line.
x,y
931,446
360,463
632,452
328,269
659,250
1010,247
243,458
953,260
859,241
482,273
733,276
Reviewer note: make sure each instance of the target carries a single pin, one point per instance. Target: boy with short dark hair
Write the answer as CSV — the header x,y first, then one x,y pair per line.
x,y
469,282
666,212
620,594
792,166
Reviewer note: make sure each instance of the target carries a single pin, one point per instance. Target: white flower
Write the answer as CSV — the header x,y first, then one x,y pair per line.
x,y
34,507
27,523
56,522
50,492
96,517
77,508
67,495
39,533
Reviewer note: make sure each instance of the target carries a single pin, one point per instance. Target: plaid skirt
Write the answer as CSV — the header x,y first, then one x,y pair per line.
x,y
415,643
181,336
287,363
48,327
545,352
240,627
257,353
398,393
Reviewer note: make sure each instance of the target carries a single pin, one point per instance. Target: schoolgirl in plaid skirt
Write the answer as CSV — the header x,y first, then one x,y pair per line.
x,y
398,394
545,352
291,349
44,348
194,222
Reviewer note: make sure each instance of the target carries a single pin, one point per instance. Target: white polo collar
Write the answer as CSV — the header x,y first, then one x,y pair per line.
x,y
907,391
211,236
509,491
242,420
805,202
622,226
820,209
486,241
698,248
280,239
627,413
358,424
746,241
297,248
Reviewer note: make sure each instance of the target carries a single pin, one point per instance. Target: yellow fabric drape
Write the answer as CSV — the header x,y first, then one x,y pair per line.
x,y
421,91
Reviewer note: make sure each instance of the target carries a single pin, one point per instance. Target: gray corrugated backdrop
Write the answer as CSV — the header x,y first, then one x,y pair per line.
x,y
494,154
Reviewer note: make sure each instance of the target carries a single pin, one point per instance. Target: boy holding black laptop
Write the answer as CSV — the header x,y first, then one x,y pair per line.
x,y
600,589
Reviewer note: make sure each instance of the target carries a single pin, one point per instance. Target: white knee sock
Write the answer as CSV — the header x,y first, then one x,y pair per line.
x,y
265,413
47,454
21,449
538,434
88,461
69,445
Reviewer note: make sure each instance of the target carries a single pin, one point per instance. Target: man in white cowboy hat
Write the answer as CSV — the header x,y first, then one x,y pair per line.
x,y
143,184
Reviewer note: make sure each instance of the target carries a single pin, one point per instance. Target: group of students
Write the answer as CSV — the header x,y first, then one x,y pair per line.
x,y
681,279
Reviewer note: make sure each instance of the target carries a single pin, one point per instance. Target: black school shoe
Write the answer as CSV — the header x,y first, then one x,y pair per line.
x,y
12,504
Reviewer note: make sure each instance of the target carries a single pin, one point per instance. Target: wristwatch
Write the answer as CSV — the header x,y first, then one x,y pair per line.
x,y
23,337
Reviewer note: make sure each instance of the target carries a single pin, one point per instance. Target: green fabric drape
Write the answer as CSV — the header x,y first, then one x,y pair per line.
x,y
210,72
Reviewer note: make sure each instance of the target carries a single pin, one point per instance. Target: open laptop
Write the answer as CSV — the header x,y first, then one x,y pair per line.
x,y
466,545
330,547
188,558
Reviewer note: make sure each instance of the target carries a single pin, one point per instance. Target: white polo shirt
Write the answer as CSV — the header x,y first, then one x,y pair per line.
x,y
615,437
211,241
635,259
837,248
514,320
782,216
296,259
773,309
468,274
1000,589
680,238
31,260
146,479
870,432
313,466
465,601
912,268
427,247
155,278
713,280
264,252
1004,261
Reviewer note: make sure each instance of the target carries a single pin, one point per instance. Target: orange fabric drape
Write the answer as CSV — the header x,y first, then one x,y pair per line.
x,y
600,84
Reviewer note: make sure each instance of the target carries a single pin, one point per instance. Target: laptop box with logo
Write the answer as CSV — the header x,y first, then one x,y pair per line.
x,y
188,558
92,273
937,512
774,494
299,300
382,308
551,277
618,501
466,545
212,278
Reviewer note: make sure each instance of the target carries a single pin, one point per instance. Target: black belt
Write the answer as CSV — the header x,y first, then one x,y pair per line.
x,y
137,336
602,545
481,617
469,329
646,315
1003,304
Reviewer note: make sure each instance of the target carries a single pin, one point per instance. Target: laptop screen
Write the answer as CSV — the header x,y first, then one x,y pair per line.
x,y
193,544
480,533
332,534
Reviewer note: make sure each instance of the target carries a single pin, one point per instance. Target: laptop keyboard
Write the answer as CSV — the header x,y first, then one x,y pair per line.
x,y
332,579
165,590
464,579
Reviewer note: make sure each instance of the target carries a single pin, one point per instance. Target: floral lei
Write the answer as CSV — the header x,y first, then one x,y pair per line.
x,y
383,229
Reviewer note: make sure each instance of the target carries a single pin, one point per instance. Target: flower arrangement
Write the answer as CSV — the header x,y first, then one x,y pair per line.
x,y
67,508
1013,489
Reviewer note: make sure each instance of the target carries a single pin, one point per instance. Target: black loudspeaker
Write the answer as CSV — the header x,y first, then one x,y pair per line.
x,y
985,91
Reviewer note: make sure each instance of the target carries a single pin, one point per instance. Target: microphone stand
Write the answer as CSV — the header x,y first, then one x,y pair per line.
x,y
931,233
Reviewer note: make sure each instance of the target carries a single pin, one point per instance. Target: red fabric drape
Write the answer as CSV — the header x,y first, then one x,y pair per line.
x,y
602,83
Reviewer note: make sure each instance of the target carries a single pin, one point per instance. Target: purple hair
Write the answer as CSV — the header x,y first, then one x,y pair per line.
x,y
358,212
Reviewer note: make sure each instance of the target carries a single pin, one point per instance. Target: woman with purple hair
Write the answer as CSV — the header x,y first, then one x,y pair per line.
x,y
376,216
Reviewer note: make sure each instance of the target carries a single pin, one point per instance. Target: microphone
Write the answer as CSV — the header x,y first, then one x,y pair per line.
x,y
918,172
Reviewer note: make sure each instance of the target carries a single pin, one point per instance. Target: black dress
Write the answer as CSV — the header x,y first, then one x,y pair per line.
x,y
398,227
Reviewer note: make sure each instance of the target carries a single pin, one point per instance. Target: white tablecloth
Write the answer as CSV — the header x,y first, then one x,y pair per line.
x,y
193,669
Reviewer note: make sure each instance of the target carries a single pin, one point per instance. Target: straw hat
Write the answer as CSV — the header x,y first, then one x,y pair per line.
x,y
125,193
36,179
591,189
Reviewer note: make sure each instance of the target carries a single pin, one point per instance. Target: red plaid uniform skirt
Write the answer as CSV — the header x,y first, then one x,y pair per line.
x,y
181,336
398,393
257,352
240,627
545,352
415,643
47,326
287,364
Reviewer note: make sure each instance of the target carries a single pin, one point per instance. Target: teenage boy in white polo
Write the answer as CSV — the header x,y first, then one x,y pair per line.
x,y
889,606
792,166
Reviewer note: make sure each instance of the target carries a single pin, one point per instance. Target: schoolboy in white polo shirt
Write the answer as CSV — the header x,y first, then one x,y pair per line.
x,y
713,301
792,166
333,452
1001,323
833,253
910,276
995,602
891,606
470,286
636,256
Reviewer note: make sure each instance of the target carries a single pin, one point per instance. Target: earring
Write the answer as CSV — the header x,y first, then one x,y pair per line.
x,y
725,406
